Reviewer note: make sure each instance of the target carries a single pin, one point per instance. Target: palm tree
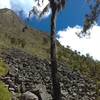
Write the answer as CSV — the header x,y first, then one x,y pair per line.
x,y
56,6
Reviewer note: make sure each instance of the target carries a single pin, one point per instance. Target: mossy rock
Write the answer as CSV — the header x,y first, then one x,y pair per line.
x,y
4,93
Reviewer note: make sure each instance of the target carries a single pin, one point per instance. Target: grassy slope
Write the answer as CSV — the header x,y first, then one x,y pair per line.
x,y
4,93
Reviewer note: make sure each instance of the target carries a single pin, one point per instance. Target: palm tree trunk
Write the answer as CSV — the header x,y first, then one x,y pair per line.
x,y
55,80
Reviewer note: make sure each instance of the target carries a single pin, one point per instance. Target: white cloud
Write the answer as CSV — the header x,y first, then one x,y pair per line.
x,y
23,5
5,4
84,45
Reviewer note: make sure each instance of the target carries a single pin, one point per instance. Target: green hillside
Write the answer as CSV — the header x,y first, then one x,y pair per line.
x,y
15,34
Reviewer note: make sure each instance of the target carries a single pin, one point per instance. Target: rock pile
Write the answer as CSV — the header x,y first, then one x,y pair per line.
x,y
28,74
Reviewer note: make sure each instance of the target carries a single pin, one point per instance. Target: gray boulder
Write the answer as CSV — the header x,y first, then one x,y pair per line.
x,y
29,96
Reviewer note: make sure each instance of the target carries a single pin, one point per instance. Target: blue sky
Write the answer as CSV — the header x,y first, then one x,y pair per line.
x,y
73,14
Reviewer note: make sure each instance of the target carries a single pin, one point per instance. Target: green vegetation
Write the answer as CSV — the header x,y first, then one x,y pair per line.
x,y
3,68
4,93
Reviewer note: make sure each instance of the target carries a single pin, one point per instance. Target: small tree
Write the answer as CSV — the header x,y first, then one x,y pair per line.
x,y
56,6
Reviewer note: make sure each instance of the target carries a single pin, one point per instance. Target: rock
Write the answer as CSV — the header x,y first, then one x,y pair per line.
x,y
14,98
22,87
27,71
29,96
6,85
11,89
42,92
12,85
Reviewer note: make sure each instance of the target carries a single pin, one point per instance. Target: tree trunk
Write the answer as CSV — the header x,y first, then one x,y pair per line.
x,y
55,80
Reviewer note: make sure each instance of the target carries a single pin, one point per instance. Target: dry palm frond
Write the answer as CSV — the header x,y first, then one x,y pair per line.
x,y
44,10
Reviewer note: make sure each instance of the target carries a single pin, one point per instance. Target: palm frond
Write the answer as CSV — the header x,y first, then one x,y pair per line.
x,y
33,11
44,10
61,5
57,4
91,18
53,4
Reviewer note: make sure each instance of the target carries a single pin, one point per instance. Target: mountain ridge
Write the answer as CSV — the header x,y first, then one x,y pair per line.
x,y
16,33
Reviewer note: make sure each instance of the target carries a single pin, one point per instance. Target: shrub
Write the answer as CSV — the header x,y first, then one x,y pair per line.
x,y
4,93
